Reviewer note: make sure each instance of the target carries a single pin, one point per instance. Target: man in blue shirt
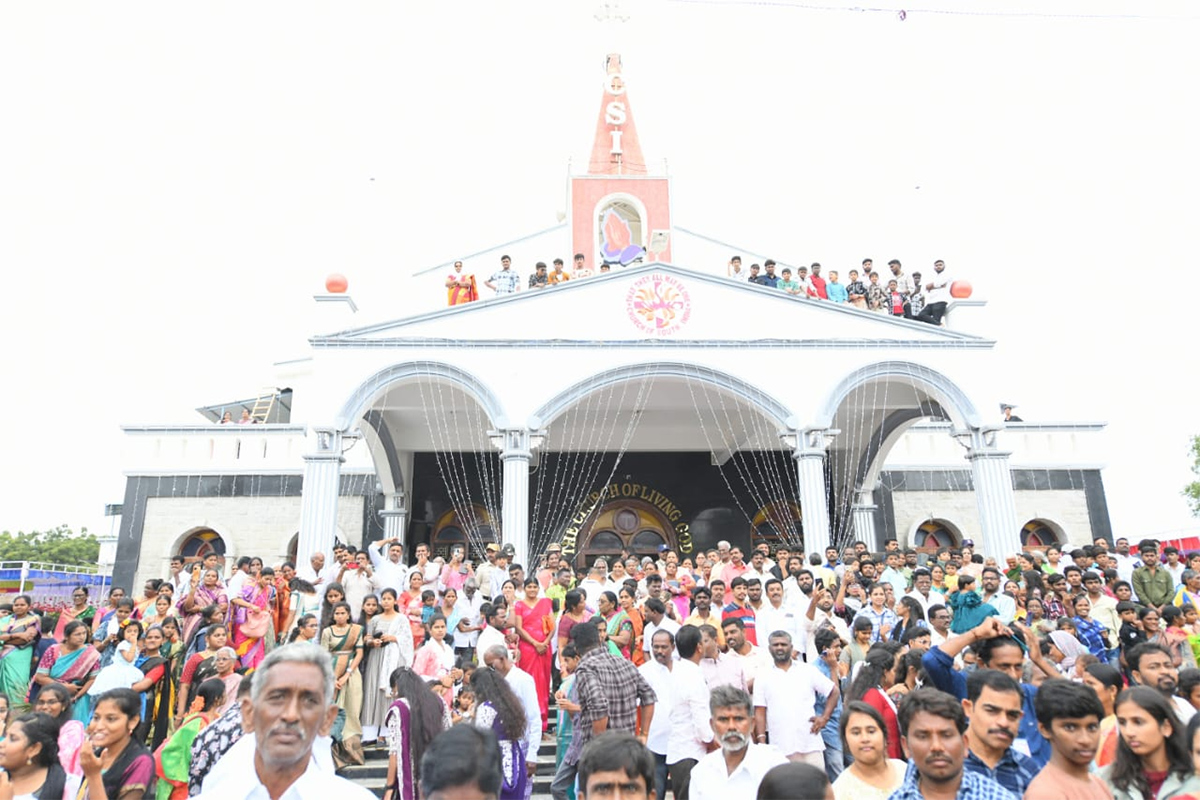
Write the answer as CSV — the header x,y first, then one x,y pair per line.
x,y
770,280
829,645
993,707
996,649
932,724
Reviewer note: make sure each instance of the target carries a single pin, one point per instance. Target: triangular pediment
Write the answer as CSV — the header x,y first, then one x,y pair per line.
x,y
654,304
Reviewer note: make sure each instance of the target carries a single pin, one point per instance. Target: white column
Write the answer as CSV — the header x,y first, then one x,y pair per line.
x,y
809,453
864,524
515,453
395,518
319,496
999,528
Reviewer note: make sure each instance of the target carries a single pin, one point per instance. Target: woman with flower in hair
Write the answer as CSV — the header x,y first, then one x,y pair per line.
x,y
173,760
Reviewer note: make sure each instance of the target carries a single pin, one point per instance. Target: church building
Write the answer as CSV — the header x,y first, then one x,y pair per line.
x,y
653,403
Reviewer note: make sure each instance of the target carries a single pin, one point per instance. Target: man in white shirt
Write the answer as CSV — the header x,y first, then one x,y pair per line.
x,y
492,635
470,620
390,571
1005,606
923,591
776,614
892,573
784,705
595,584
237,581
523,687
753,659
657,672
655,612
798,585
290,703
938,294
317,573
483,572
758,568
430,572
1125,562
739,766
820,615
358,579
690,733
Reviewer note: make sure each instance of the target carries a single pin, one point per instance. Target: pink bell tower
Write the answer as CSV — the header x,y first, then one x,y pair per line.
x,y
620,214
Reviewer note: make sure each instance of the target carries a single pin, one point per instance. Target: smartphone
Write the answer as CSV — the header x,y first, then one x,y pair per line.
x,y
819,583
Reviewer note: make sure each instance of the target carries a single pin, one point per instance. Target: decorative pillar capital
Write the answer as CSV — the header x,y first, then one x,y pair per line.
x,y
330,443
809,442
516,443
981,442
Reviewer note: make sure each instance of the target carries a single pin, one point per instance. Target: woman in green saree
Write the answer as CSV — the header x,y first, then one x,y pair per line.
x,y
17,638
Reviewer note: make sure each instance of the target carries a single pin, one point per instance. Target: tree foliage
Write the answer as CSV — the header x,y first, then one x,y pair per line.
x,y
57,546
1192,490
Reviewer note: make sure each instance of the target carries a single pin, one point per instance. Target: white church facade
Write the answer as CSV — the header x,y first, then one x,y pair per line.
x,y
657,404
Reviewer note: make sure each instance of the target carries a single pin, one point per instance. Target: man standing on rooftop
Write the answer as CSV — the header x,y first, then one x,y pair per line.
x,y
506,281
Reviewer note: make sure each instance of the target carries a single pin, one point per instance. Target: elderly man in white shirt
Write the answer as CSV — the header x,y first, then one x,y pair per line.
x,y
690,733
295,676
523,687
738,767
923,592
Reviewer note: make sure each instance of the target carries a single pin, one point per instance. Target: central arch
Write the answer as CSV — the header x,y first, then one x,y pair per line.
x,y
770,406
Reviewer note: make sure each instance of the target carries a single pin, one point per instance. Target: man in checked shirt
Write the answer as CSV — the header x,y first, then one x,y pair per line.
x,y
610,690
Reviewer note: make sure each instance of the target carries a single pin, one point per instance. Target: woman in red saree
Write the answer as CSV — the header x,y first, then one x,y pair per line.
x,y
460,286
252,619
535,621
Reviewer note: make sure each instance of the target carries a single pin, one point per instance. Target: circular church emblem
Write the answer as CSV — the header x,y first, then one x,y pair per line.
x,y
658,304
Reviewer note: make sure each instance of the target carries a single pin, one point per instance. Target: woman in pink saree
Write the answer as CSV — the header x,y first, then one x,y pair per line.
x,y
201,592
252,627
535,621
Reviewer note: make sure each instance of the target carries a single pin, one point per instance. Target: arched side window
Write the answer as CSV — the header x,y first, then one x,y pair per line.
x,y
201,543
1040,533
935,533
450,529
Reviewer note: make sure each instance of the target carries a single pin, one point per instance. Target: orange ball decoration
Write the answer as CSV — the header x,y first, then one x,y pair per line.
x,y
336,283
960,290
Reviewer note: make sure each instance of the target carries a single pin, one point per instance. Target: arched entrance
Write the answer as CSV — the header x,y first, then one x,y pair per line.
x,y
627,525
450,529
773,524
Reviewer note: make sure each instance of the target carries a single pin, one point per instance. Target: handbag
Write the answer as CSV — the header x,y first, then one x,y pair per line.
x,y
257,624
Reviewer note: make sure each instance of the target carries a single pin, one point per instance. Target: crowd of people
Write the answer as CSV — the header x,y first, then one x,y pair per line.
x,y
895,293
869,675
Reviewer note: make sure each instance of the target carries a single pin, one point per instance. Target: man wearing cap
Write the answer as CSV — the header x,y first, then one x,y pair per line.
x,y
483,573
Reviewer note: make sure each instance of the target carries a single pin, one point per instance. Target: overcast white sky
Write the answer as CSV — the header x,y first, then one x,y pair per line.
x,y
176,182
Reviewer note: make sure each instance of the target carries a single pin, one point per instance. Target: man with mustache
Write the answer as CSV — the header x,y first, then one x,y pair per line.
x,y
994,707
290,704
932,725
737,768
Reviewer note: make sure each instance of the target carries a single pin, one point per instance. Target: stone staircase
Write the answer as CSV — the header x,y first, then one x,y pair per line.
x,y
373,774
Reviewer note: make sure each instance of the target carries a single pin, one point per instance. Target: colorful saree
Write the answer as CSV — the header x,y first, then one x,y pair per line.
x,y
173,760
72,669
456,294
204,597
619,621
16,661
537,621
158,702
252,627
69,615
